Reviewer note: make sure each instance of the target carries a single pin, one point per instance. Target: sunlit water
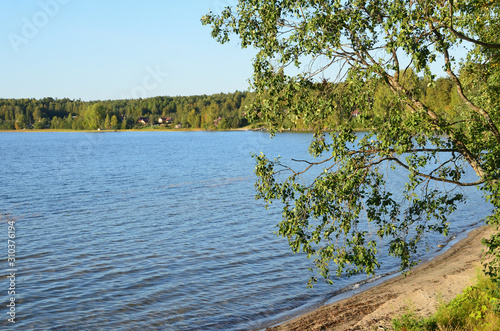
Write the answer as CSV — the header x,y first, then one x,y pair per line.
x,y
154,230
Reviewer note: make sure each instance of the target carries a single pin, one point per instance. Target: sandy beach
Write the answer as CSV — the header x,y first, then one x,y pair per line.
x,y
443,277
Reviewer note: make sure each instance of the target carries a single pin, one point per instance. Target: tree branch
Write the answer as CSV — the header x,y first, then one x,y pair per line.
x,y
474,41
479,182
463,36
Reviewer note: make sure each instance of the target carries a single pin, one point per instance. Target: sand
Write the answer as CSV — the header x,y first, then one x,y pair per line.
x,y
443,277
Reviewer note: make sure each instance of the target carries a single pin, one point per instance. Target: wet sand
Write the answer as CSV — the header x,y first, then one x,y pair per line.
x,y
443,277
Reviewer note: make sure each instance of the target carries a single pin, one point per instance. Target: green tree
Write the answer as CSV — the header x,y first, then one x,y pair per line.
x,y
94,116
21,121
107,122
152,119
114,122
439,96
68,122
37,114
78,124
384,102
339,217
55,123
193,119
39,124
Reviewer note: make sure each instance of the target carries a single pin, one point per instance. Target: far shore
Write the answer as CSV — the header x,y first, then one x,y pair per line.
x,y
149,129
442,278
131,130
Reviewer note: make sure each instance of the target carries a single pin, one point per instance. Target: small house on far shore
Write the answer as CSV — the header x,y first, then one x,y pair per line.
x,y
165,120
143,120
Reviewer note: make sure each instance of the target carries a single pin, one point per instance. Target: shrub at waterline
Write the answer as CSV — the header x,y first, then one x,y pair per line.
x,y
476,308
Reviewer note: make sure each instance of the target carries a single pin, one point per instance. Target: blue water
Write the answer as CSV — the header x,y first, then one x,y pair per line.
x,y
134,230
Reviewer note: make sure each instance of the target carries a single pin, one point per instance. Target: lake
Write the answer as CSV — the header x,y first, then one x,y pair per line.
x,y
156,230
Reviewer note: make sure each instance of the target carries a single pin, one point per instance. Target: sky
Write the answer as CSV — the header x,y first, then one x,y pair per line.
x,y
116,49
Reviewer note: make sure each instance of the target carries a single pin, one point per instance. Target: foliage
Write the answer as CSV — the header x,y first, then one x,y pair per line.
x,y
124,114
114,122
410,321
321,62
476,308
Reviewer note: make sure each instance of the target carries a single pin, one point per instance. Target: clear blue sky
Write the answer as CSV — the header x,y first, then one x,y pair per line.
x,y
113,49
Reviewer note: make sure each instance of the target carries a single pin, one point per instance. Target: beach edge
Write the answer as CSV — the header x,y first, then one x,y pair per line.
x,y
441,278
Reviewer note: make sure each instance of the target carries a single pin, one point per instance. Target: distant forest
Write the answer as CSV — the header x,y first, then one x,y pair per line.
x,y
218,111
210,112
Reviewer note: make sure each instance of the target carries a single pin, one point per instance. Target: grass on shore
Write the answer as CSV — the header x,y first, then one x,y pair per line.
x,y
477,308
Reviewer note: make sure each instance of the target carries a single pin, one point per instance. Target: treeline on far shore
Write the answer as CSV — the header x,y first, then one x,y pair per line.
x,y
210,112
218,111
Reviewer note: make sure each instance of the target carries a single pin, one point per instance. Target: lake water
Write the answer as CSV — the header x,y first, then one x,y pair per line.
x,y
154,230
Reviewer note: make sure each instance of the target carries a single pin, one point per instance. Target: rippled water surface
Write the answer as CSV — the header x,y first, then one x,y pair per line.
x,y
153,230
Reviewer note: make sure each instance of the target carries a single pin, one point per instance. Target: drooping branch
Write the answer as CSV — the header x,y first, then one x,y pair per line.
x,y
382,159
479,182
420,174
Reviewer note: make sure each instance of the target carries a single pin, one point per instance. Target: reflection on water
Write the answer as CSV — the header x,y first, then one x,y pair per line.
x,y
154,230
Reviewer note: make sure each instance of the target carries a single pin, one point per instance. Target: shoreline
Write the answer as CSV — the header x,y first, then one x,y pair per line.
x,y
445,276
128,130
148,129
